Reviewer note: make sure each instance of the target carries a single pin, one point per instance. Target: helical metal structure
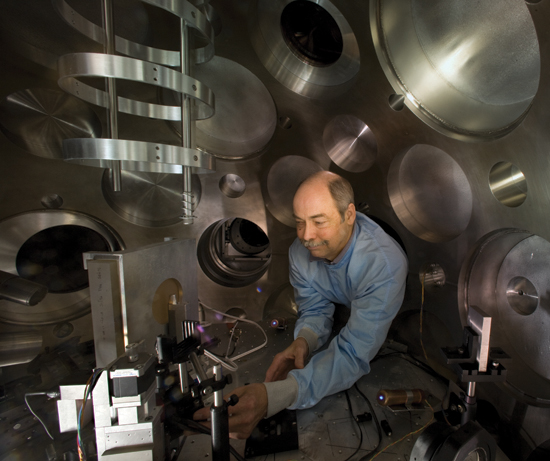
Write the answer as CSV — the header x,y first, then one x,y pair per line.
x,y
147,65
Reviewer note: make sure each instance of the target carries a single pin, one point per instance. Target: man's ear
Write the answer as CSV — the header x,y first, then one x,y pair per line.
x,y
350,214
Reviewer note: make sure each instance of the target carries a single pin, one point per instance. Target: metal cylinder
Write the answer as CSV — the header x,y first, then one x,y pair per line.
x,y
110,84
220,422
21,291
17,348
186,128
201,375
387,397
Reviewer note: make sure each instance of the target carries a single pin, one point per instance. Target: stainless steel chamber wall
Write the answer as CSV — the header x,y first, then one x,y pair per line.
x,y
436,112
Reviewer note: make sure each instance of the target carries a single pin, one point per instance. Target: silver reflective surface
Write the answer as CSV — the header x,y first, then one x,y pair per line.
x,y
34,36
350,143
430,193
21,347
507,275
528,259
149,199
232,185
245,116
522,296
464,72
287,67
55,307
140,156
77,65
508,184
39,119
188,12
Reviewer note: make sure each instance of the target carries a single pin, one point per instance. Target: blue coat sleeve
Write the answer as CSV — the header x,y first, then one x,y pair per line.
x,y
378,285
314,310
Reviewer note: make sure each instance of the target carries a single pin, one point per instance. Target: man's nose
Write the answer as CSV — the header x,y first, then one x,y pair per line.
x,y
309,232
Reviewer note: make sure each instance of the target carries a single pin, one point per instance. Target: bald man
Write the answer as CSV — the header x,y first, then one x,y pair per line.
x,y
340,257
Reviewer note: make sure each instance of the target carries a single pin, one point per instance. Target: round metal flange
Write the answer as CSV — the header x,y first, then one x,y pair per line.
x,y
469,442
522,284
17,231
350,143
286,64
468,70
232,185
225,264
429,441
439,442
72,66
245,118
148,199
99,153
430,193
38,119
192,16
506,274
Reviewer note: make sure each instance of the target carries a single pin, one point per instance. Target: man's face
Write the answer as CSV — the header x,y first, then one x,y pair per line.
x,y
319,225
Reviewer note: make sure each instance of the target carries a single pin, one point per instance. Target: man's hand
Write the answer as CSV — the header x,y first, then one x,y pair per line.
x,y
246,414
294,356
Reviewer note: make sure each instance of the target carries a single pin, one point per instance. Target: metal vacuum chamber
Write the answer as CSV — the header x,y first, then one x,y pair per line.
x,y
197,120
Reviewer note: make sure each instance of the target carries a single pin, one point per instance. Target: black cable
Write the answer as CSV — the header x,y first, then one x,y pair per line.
x,y
409,358
378,428
358,425
189,423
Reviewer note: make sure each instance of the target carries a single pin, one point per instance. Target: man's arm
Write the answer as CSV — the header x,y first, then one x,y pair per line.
x,y
347,357
315,312
292,357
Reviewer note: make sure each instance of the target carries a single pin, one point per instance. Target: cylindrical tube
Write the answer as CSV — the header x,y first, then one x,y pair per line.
x,y
220,422
388,397
279,323
17,348
20,290
186,128
220,433
201,375
109,48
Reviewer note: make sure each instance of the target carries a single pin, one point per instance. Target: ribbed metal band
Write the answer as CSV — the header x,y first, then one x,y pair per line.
x,y
192,16
134,155
72,66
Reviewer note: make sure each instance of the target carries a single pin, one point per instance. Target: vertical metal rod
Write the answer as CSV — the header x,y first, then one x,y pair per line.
x,y
184,381
219,418
218,395
109,48
470,404
471,389
186,128
201,375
